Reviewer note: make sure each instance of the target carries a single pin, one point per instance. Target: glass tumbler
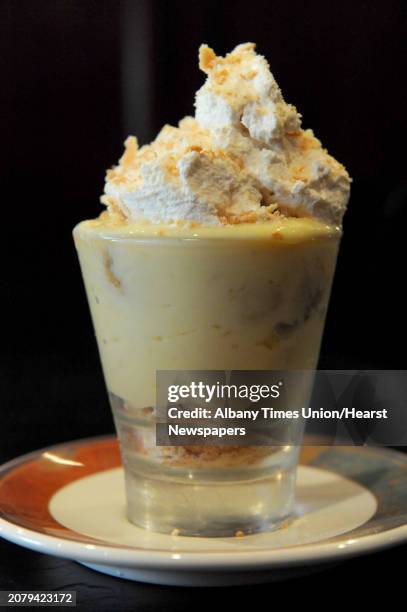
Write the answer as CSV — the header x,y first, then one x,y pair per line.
x,y
243,297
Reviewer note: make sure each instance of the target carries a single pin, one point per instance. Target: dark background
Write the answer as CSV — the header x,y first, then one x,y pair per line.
x,y
79,76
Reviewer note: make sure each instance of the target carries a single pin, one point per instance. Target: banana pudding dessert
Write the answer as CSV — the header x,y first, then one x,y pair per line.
x,y
216,251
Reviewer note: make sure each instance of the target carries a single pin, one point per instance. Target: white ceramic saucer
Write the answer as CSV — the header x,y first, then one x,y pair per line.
x,y
68,501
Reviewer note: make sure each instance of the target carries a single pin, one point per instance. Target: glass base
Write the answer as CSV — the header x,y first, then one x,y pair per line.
x,y
209,505
202,491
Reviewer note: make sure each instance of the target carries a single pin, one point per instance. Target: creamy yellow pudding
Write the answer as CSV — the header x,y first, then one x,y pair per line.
x,y
245,297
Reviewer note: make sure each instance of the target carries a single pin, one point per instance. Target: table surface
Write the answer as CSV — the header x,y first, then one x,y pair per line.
x,y
27,570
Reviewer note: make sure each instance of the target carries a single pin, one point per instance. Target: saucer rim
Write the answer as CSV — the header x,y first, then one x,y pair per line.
x,y
290,556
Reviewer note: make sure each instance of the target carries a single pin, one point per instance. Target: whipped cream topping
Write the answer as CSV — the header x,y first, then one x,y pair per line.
x,y
243,158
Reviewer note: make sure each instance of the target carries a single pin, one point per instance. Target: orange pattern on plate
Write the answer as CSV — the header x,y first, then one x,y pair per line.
x,y
26,504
